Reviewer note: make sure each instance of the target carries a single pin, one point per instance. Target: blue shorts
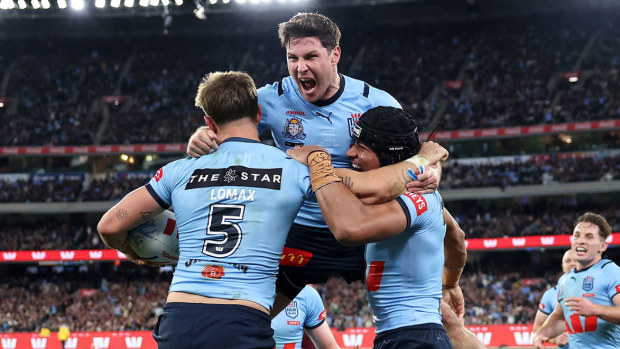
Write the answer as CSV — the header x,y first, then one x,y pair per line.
x,y
425,336
311,255
217,326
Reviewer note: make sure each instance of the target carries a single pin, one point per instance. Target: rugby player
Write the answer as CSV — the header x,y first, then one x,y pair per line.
x,y
588,304
550,299
223,286
405,237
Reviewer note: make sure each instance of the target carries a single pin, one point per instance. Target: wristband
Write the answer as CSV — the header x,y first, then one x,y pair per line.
x,y
322,171
451,276
418,160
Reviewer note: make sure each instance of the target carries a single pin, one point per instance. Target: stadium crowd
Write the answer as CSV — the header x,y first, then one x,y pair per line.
x,y
456,175
492,221
58,101
131,297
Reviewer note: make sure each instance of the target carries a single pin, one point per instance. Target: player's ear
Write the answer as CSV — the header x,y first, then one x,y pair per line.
x,y
335,57
259,115
212,125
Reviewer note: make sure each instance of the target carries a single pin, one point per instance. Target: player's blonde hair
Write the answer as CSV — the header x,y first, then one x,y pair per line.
x,y
598,220
227,96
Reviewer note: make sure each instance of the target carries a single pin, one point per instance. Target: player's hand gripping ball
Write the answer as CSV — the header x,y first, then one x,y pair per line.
x,y
156,240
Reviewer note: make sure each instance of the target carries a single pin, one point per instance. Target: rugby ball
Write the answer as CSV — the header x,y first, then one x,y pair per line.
x,y
156,240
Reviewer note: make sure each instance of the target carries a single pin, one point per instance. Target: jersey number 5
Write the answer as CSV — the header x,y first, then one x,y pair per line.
x,y
220,224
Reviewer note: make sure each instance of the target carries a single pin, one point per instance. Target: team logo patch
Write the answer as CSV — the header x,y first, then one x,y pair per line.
x,y
419,202
354,130
294,129
588,283
618,288
295,257
322,315
291,310
213,272
159,174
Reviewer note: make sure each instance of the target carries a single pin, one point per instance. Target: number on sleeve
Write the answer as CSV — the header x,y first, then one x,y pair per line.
x,y
220,224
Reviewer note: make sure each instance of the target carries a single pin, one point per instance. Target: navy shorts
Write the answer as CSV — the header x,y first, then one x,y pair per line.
x,y
425,336
311,255
217,326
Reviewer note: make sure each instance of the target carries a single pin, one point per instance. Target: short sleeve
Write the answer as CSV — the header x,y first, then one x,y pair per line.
x,y
315,311
548,301
418,207
383,99
613,277
162,184
266,96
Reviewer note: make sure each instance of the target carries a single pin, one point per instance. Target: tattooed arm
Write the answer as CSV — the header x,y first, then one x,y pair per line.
x,y
135,208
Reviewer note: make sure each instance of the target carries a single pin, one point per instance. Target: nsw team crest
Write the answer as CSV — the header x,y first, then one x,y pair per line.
x,y
353,131
294,129
588,283
291,310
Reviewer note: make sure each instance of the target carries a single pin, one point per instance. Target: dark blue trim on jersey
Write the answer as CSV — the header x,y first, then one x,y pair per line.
x,y
333,98
579,271
241,139
544,312
366,90
313,327
280,88
156,197
603,266
406,209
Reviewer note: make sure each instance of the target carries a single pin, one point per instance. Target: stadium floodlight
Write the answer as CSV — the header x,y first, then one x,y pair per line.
x,y
213,2
241,1
154,2
178,2
165,2
99,3
129,3
22,4
77,5
115,3
254,1
62,4
35,4
144,3
45,4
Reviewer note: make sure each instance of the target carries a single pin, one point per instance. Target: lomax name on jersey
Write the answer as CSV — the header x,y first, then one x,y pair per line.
x,y
236,176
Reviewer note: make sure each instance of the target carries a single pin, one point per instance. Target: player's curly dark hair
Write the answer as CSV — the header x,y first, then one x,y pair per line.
x,y
304,25
598,220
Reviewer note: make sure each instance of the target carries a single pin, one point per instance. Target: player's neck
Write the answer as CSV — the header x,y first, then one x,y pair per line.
x,y
587,264
334,86
243,128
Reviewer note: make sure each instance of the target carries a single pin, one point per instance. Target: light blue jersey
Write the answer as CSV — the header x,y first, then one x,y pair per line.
x,y
403,273
234,208
306,311
599,283
547,304
295,121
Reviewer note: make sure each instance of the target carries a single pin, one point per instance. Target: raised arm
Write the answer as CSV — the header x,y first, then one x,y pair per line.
x,y
388,182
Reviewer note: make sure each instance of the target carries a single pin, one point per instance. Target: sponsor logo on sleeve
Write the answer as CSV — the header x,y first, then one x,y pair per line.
x,y
419,202
618,288
159,174
322,315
